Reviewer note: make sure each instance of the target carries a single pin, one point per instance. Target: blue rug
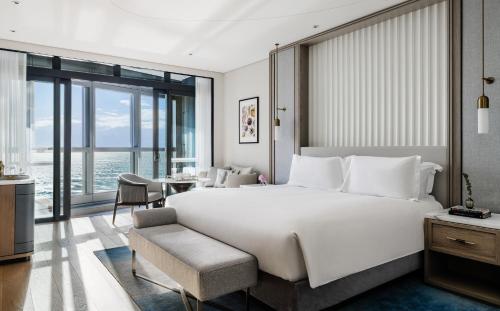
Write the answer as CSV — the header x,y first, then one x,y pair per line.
x,y
406,293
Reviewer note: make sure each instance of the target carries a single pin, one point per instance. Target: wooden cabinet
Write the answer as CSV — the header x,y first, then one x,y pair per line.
x,y
7,219
463,258
16,221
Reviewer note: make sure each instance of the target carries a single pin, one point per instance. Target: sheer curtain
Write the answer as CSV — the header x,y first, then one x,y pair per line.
x,y
14,134
203,124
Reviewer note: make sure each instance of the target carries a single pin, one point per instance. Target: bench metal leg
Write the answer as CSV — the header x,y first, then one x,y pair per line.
x,y
247,299
185,300
199,305
133,262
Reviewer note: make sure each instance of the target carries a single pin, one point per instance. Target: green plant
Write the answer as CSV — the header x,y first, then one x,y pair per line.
x,y
468,185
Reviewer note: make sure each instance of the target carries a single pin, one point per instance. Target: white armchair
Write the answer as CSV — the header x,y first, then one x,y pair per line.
x,y
134,190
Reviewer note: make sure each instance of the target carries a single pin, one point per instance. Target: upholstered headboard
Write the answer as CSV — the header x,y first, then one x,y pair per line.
x,y
437,155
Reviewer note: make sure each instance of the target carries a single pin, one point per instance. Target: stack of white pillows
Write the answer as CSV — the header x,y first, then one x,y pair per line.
x,y
403,178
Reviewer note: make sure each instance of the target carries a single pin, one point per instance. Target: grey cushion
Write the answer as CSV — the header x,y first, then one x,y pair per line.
x,y
221,177
154,196
242,170
212,174
154,217
204,267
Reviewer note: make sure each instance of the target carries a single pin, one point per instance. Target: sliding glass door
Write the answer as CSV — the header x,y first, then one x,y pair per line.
x,y
84,134
47,122
115,129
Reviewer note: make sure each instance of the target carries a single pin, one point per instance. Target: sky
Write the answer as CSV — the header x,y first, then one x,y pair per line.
x,y
113,117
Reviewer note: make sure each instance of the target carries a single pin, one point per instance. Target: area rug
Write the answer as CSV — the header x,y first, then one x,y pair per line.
x,y
406,293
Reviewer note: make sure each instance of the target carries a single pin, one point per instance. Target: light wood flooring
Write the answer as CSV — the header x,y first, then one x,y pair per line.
x,y
64,273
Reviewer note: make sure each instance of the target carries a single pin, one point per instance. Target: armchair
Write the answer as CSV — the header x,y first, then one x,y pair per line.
x,y
134,190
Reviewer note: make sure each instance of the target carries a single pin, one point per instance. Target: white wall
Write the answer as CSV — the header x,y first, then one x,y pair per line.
x,y
218,79
249,81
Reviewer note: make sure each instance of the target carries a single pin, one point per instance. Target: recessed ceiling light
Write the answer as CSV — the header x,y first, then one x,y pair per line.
x,y
16,2
190,54
12,30
315,26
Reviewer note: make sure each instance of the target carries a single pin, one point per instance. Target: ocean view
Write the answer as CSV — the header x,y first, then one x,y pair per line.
x,y
108,165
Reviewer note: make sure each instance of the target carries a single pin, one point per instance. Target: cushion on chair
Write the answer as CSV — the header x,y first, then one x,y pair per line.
x,y
154,196
204,267
221,177
241,170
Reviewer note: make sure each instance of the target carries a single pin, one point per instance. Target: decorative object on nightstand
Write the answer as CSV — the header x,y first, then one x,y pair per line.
x,y
463,255
469,202
469,210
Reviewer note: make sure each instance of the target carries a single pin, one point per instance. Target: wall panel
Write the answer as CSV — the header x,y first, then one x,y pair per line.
x,y
383,85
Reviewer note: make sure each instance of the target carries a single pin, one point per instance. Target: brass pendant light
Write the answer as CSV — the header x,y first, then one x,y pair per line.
x,y
483,102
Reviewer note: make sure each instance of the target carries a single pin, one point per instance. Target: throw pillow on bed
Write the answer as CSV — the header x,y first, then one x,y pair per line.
x,y
427,174
221,178
316,172
385,177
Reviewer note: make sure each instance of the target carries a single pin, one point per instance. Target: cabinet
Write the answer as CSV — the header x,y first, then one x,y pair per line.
x,y
17,205
463,255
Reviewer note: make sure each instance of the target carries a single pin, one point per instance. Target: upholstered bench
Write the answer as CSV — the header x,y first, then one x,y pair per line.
x,y
204,267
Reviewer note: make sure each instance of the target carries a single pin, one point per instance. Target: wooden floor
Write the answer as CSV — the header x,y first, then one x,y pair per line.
x,y
63,273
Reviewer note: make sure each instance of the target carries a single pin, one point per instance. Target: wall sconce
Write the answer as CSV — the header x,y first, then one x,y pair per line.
x,y
277,121
483,102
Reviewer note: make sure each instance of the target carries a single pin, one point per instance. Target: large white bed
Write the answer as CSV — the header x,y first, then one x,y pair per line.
x,y
301,233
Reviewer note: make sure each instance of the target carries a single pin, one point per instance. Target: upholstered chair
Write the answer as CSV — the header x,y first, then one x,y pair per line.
x,y
134,190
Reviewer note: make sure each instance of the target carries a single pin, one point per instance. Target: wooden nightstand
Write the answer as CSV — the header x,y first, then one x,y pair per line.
x,y
463,255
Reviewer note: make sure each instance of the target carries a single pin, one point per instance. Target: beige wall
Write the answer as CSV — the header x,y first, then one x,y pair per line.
x,y
218,79
248,81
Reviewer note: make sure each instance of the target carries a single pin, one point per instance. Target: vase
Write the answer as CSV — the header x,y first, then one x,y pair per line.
x,y
469,203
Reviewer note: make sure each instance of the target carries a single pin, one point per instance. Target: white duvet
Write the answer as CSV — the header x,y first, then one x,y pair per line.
x,y
299,233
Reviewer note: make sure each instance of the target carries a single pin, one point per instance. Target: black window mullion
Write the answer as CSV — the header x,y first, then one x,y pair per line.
x,y
169,137
56,170
156,133
67,150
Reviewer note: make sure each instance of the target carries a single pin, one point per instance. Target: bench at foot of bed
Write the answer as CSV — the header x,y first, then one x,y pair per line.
x,y
202,266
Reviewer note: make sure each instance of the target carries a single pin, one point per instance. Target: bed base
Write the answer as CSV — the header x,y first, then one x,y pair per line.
x,y
298,296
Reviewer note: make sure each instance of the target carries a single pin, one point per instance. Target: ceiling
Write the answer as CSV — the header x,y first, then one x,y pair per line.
x,y
216,35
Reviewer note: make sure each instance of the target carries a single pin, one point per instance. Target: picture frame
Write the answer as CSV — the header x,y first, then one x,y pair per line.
x,y
248,120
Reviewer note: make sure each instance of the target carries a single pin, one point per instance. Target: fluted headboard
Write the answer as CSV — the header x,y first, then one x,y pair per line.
x,y
437,155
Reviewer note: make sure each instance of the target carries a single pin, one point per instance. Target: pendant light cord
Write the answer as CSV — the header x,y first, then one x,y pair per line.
x,y
482,42
276,82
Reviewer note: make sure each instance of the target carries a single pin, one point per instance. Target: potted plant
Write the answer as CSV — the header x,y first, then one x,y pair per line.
x,y
469,202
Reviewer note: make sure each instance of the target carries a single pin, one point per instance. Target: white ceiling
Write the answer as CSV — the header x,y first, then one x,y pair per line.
x,y
222,35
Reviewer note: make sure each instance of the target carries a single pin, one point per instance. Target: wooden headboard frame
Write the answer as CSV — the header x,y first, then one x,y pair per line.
x,y
437,155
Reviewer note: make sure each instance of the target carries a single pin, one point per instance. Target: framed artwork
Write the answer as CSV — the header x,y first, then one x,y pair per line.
x,y
249,120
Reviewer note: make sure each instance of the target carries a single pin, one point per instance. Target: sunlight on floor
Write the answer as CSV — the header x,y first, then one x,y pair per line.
x,y
63,273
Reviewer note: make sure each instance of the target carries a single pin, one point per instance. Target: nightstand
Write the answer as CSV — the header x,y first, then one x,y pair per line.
x,y
463,255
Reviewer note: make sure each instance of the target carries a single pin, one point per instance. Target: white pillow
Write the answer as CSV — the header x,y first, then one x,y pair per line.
x,y
427,173
316,172
221,177
386,177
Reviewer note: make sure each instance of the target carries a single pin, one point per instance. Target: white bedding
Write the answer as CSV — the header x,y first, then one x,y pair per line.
x,y
298,232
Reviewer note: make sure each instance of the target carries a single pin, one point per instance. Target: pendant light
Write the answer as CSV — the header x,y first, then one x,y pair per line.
x,y
277,121
483,102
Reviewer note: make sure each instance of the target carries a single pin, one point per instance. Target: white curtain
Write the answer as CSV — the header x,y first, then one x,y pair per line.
x,y
382,85
14,134
203,124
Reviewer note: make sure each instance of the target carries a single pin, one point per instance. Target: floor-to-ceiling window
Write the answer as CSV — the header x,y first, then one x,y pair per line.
x,y
119,120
